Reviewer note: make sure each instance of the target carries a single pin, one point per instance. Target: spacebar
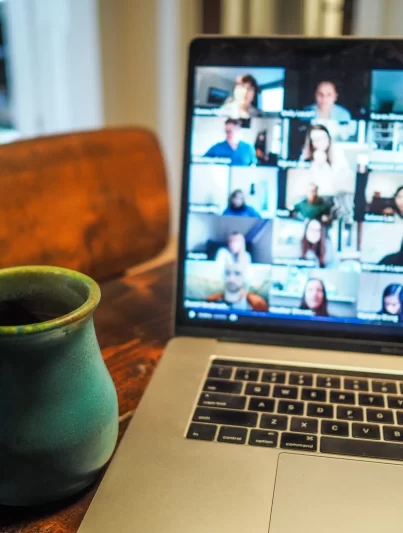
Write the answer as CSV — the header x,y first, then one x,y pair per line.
x,y
362,448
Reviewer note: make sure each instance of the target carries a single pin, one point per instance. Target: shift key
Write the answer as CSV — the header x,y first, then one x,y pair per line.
x,y
223,385
225,417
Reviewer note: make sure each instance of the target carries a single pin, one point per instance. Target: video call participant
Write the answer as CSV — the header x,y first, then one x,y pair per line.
x,y
237,206
315,246
264,157
235,253
235,294
240,152
240,104
325,106
395,259
392,301
330,169
397,207
315,298
313,207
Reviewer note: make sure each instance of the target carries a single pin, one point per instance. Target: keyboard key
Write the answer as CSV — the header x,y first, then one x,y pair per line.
x,y
395,402
380,416
274,422
393,433
290,408
209,399
320,410
366,431
356,384
304,425
246,374
260,437
333,427
217,385
362,448
221,372
261,404
401,388
305,380
399,418
285,392
388,387
234,435
201,432
295,441
273,377
225,417
328,382
257,390
350,413
342,397
316,395
371,400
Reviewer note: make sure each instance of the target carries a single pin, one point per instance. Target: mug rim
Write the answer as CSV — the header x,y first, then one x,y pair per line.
x,y
77,315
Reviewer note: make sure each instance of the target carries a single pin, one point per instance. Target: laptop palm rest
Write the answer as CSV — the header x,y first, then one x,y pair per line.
x,y
317,494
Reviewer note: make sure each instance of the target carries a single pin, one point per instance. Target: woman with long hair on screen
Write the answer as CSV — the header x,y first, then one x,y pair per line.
x,y
397,207
329,166
392,303
235,252
315,246
315,298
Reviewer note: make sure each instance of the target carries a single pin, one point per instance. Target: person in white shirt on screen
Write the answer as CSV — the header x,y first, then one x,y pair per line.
x,y
240,104
325,106
330,169
235,253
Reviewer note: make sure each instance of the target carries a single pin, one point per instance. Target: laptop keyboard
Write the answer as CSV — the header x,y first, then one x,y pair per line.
x,y
302,409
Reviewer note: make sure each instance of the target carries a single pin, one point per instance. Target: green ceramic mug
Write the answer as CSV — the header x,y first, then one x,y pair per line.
x,y
58,404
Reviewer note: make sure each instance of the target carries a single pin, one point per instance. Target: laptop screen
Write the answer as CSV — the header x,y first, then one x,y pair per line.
x,y
292,213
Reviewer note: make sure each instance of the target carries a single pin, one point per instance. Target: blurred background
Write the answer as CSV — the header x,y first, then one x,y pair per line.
x,y
69,65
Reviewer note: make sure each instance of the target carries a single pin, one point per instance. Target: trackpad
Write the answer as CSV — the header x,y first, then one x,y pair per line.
x,y
317,494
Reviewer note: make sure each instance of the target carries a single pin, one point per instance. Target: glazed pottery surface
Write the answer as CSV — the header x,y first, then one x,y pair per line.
x,y
58,404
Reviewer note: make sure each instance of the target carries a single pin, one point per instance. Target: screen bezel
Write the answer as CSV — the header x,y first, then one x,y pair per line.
x,y
381,53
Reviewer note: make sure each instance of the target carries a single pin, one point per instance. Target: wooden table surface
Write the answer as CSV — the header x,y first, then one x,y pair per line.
x,y
133,324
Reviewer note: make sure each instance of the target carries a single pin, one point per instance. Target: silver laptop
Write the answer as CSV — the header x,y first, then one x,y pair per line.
x,y
278,405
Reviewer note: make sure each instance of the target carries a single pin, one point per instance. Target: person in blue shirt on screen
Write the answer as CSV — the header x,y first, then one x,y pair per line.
x,y
239,152
325,106
237,206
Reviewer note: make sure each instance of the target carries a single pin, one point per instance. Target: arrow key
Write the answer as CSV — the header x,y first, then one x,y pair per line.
x,y
366,431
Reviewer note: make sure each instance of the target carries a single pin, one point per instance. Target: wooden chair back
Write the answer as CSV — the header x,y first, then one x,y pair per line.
x,y
93,201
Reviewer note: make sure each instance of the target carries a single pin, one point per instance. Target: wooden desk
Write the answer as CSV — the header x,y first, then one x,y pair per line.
x,y
133,323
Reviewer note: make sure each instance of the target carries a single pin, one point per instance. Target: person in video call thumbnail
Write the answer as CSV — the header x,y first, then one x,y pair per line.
x,y
235,253
239,152
235,293
237,206
313,206
316,247
395,259
325,106
239,106
392,300
396,209
315,298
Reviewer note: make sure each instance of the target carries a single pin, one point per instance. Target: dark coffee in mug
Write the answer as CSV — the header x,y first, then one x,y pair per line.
x,y
28,298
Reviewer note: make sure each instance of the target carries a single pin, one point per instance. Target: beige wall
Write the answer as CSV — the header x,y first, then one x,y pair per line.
x,y
144,51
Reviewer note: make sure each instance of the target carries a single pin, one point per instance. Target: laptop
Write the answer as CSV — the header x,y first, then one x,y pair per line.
x,y
278,404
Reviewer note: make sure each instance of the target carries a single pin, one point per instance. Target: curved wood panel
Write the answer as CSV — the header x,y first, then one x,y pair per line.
x,y
93,201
